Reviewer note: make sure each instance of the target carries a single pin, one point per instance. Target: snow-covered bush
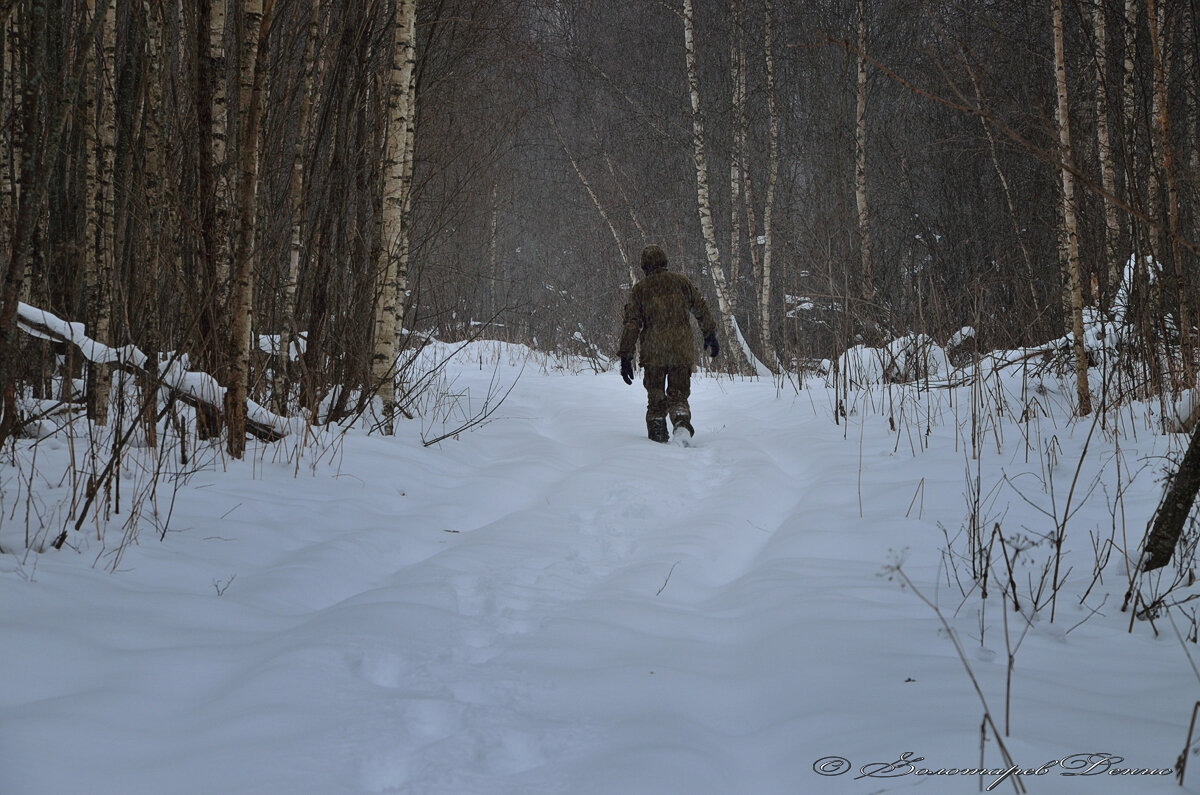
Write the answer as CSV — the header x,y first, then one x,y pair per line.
x,y
913,357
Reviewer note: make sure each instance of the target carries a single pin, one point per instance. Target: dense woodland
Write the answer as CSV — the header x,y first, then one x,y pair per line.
x,y
229,180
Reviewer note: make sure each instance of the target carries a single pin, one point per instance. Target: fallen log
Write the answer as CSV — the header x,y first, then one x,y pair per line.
x,y
1167,525
188,386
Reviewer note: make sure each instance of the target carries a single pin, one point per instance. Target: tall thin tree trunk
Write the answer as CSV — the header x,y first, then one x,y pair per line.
x,y
1129,124
1191,64
210,277
256,23
222,193
1166,161
764,300
1141,238
492,300
287,327
392,269
860,165
1192,109
733,334
587,186
1069,220
620,183
24,41
100,208
1108,172
9,108
1018,232
737,160
741,155
406,175
155,242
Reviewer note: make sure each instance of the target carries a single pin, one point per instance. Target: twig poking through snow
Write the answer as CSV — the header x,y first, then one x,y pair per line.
x,y
669,573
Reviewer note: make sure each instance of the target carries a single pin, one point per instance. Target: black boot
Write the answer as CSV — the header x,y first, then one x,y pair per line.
x,y
682,424
657,429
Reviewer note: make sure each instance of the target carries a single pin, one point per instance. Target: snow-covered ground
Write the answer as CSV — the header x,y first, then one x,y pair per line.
x,y
550,603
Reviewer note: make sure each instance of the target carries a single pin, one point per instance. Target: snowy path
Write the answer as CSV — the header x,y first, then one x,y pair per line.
x,y
549,603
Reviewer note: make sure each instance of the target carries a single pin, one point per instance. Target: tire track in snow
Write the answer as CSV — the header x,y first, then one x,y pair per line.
x,y
626,538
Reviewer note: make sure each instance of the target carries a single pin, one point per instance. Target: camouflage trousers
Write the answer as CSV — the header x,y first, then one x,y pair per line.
x,y
667,392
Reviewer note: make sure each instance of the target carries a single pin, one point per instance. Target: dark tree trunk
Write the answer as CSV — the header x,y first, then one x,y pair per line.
x,y
1173,511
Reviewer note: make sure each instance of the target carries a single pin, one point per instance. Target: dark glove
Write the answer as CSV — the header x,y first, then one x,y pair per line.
x,y
627,369
711,346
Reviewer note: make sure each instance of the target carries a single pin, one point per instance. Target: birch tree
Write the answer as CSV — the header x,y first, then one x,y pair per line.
x,y
745,182
738,160
222,194
256,22
287,326
392,269
713,257
1069,219
207,239
408,164
764,298
860,161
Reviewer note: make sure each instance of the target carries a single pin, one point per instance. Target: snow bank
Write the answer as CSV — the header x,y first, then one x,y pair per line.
x,y
914,357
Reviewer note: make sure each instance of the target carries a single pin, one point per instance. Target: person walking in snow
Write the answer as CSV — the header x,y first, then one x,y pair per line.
x,y
656,319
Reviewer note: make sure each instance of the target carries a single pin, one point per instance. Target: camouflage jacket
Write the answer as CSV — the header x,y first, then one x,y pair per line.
x,y
656,317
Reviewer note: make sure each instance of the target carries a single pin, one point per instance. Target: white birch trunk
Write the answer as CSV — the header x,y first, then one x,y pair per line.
x,y
1128,88
860,161
393,266
407,164
250,90
741,156
287,326
724,306
1070,223
764,301
737,79
220,144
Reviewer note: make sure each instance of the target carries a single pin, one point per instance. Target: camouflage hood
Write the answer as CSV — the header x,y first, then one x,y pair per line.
x,y
653,259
